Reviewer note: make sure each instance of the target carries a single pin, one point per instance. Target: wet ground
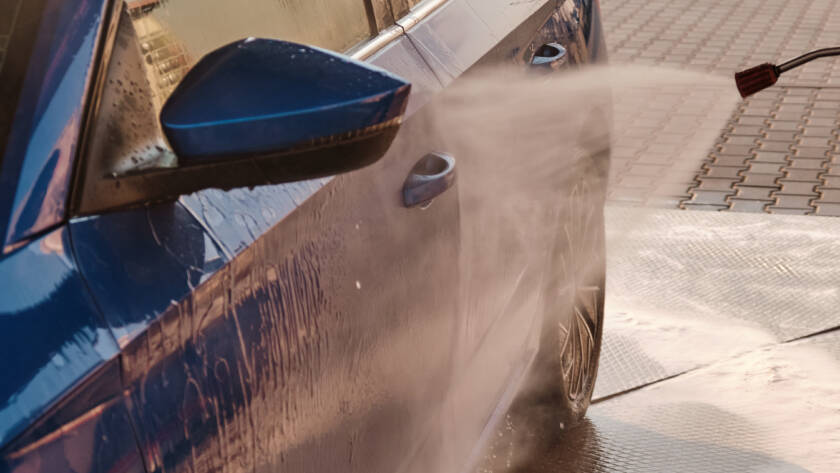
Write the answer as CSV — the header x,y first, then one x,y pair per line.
x,y
720,354
722,335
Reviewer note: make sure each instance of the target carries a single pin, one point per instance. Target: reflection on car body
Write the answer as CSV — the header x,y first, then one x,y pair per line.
x,y
251,310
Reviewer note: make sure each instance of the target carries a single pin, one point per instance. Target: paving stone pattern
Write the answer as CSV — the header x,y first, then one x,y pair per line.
x,y
779,154
660,138
776,153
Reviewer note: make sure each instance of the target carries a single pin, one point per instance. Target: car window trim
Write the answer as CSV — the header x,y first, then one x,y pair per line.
x,y
419,13
113,9
373,45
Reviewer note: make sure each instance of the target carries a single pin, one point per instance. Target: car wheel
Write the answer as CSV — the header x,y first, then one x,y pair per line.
x,y
559,386
581,255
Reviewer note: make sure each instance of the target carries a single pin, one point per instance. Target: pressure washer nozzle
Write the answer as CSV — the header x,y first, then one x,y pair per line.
x,y
757,78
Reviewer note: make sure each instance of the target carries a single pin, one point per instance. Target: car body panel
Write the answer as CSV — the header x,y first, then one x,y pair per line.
x,y
503,16
501,297
95,442
138,261
296,346
39,156
451,39
50,325
254,328
402,58
239,216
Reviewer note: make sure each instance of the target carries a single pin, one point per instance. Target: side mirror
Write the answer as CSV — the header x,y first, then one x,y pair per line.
x,y
275,101
261,111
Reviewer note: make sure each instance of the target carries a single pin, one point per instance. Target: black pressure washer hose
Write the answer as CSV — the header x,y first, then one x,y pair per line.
x,y
760,77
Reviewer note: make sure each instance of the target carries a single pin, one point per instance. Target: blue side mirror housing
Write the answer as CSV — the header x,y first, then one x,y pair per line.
x,y
262,97
256,112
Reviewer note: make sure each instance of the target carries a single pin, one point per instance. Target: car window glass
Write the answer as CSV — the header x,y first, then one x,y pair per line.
x,y
8,15
158,41
401,7
11,75
174,34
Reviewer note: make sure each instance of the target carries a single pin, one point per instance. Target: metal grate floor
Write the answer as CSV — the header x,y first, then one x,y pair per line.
x,y
720,352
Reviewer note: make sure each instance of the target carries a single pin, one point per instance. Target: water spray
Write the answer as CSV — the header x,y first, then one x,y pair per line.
x,y
762,76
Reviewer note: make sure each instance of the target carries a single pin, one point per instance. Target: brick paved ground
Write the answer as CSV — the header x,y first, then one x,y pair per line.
x,y
776,152
779,154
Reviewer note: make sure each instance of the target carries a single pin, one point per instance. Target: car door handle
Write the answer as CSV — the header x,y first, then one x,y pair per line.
x,y
429,178
550,56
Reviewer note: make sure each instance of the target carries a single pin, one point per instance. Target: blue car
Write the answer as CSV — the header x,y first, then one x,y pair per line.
x,y
223,252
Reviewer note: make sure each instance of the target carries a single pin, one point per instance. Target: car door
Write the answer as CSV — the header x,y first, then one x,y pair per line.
x,y
299,327
510,206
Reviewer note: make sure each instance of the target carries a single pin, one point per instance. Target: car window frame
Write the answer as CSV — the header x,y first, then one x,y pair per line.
x,y
382,34
19,50
392,24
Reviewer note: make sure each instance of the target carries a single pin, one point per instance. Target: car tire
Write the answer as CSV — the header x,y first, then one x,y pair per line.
x,y
558,389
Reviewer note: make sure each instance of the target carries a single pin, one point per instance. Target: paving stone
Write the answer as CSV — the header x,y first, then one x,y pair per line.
x,y
785,125
788,116
746,130
636,181
795,99
762,111
793,201
829,95
793,108
821,122
818,131
764,168
830,181
780,146
755,193
709,197
824,113
824,104
759,180
672,189
714,184
815,153
741,140
703,207
785,211
735,150
797,163
815,142
829,196
761,100
722,171
793,91
651,170
740,205
802,174
770,157
786,136
828,210
664,148
724,160
658,159
776,143
747,120
640,132
799,187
